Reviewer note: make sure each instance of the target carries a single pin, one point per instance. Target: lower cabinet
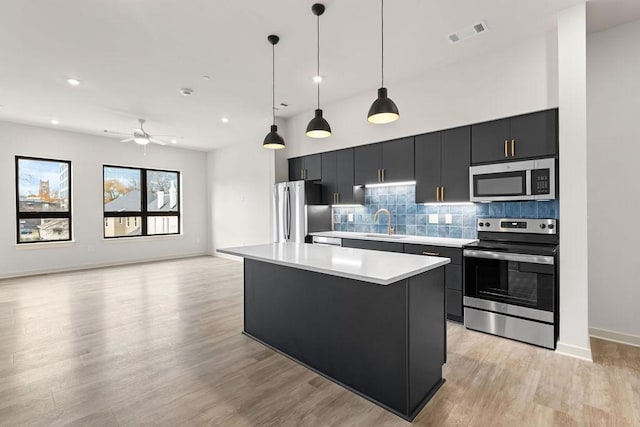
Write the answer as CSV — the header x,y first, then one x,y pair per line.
x,y
452,271
373,245
453,275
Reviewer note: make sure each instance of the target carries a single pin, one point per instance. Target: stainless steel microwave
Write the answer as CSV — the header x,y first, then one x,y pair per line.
x,y
511,181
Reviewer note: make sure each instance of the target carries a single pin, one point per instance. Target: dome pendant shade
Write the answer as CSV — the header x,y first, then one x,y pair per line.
x,y
318,127
273,140
383,110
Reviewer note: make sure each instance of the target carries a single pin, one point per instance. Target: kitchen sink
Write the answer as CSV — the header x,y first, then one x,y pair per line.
x,y
385,236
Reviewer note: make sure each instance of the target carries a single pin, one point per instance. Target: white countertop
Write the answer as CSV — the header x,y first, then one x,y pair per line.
x,y
415,240
382,268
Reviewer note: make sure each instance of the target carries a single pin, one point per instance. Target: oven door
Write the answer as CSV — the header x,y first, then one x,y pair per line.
x,y
510,283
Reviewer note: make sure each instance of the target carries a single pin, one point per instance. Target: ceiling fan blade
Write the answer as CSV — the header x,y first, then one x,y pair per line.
x,y
157,141
115,133
127,140
169,136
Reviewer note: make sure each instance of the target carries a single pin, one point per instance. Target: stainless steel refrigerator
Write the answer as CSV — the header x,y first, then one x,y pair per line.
x,y
297,211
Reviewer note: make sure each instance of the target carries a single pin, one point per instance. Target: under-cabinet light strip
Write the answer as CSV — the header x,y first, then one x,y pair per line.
x,y
390,184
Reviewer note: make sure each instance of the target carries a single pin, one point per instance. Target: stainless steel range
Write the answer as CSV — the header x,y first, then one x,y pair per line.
x,y
511,280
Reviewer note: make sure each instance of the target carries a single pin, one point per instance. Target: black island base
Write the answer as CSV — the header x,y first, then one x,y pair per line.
x,y
385,343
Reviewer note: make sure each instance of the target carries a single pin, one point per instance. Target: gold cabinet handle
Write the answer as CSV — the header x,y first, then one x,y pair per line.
x,y
442,194
513,148
301,173
506,148
338,198
431,253
382,174
378,175
437,194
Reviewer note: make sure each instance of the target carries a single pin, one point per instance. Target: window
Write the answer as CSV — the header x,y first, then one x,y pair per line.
x,y
43,200
140,202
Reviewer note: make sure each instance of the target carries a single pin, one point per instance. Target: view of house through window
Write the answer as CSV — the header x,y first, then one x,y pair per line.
x,y
140,202
43,190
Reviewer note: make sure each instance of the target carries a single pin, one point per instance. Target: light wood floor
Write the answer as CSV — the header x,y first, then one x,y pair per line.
x,y
160,344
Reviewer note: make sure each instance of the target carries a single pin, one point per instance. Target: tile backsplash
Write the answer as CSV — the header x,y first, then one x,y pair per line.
x,y
413,219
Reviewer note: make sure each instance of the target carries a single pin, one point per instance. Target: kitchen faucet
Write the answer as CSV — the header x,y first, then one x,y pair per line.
x,y
384,211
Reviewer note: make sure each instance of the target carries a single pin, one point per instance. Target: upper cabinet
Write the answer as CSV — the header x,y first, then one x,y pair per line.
x,y
521,137
338,179
442,162
390,161
308,168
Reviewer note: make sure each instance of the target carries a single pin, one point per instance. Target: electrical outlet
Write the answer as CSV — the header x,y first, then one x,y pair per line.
x,y
448,219
433,218
350,218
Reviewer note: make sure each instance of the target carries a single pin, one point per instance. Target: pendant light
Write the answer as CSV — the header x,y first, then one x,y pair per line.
x,y
383,110
273,141
318,127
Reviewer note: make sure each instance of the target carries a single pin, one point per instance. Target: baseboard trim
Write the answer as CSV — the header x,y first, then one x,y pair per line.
x,y
581,353
613,336
98,265
227,256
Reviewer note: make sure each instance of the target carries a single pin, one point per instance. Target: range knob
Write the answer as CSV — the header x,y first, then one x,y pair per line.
x,y
543,226
551,227
488,224
481,224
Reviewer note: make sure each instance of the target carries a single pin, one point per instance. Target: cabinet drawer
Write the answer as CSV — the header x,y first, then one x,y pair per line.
x,y
373,245
454,253
453,276
454,303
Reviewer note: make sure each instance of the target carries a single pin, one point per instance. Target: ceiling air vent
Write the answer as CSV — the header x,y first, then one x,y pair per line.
x,y
468,32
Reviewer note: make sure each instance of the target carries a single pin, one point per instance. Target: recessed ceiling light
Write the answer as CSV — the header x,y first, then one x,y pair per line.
x,y
73,82
206,77
174,141
185,91
55,122
317,79
225,120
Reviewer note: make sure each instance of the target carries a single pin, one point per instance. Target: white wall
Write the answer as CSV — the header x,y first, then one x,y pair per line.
x,y
241,179
613,86
572,95
519,79
87,155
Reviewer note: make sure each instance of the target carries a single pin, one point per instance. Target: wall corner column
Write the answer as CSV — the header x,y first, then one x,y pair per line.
x,y
572,97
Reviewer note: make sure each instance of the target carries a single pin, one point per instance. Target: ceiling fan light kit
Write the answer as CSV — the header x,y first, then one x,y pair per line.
x,y
273,140
383,110
318,127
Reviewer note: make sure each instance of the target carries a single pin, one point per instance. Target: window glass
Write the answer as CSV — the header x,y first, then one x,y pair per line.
x,y
122,226
44,230
162,191
43,185
162,225
122,189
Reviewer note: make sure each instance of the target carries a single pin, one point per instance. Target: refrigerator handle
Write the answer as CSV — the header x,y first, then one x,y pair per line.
x,y
288,213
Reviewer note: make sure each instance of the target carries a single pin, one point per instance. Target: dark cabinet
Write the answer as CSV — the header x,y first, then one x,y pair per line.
x,y
338,179
453,275
442,161
308,168
397,160
516,138
373,245
390,161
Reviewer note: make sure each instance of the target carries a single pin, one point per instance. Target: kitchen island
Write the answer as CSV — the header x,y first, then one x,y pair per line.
x,y
370,321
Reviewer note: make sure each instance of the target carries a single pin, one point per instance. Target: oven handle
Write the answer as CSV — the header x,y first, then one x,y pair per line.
x,y
501,256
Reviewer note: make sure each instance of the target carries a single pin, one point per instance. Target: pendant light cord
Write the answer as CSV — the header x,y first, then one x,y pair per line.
x,y
318,57
382,38
273,82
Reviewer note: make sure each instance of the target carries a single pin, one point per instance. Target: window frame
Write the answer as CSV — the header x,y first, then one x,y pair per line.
x,y
42,215
144,213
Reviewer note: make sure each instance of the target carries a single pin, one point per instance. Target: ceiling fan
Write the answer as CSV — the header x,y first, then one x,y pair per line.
x,y
142,137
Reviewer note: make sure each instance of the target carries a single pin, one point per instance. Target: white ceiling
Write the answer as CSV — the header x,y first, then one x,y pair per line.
x,y
133,56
